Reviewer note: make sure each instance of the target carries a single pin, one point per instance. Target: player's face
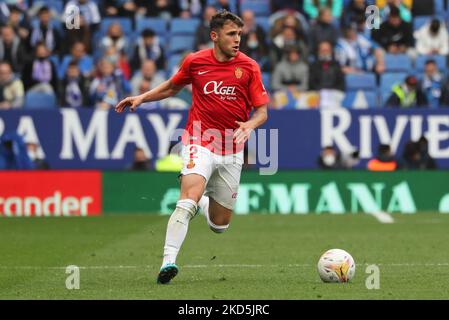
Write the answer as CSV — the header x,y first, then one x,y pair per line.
x,y
228,39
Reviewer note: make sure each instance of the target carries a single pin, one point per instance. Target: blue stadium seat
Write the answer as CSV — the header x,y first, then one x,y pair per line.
x,y
360,99
180,26
420,62
397,63
419,21
158,25
387,80
232,5
173,61
39,100
266,80
126,24
179,44
264,23
259,7
366,81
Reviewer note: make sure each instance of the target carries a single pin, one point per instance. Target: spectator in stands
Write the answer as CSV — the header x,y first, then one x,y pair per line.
x,y
322,30
121,8
289,5
74,87
11,88
289,37
146,47
432,38
356,53
384,161
90,19
44,32
329,159
350,160
191,8
78,54
140,161
407,94
253,40
403,6
13,153
394,35
147,77
166,9
353,12
423,8
416,157
225,5
202,34
108,87
292,73
12,49
432,84
40,73
18,20
423,145
119,60
292,19
114,38
325,72
39,162
312,7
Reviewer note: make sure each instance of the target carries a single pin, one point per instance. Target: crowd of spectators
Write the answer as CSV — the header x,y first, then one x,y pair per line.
x,y
307,48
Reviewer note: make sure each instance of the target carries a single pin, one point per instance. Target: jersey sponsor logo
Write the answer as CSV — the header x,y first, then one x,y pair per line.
x,y
238,72
218,88
203,72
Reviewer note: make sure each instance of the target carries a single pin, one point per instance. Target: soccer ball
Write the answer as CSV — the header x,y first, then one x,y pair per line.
x,y
336,265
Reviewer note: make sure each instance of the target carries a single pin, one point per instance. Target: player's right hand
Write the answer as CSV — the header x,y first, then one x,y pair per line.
x,y
131,102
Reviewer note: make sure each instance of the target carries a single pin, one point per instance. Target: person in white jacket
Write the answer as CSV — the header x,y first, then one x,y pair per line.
x,y
432,38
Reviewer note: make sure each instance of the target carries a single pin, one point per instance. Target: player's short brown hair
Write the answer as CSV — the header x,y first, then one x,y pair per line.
x,y
222,17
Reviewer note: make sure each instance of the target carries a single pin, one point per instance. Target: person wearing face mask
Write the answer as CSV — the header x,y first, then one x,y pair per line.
x,y
40,73
329,159
325,72
432,38
114,38
252,42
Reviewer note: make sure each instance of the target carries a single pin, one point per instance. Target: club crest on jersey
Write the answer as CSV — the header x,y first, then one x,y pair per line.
x,y
238,72
191,164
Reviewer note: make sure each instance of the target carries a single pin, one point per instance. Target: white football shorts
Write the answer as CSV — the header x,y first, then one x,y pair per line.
x,y
222,172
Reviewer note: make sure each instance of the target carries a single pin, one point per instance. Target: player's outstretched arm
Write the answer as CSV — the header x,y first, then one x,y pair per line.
x,y
162,91
260,115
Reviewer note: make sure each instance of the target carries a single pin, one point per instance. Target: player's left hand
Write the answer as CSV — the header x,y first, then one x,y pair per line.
x,y
243,132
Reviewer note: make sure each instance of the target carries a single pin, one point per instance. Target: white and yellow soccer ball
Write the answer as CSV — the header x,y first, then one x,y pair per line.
x,y
336,265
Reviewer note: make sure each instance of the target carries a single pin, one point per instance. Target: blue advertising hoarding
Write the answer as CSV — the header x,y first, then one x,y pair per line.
x,y
87,139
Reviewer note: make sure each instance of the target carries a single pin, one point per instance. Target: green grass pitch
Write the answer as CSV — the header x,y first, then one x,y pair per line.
x,y
259,257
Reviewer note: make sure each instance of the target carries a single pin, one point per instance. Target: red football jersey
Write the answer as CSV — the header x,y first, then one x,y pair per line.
x,y
222,93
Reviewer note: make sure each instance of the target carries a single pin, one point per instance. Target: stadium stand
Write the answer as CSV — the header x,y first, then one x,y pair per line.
x,y
176,36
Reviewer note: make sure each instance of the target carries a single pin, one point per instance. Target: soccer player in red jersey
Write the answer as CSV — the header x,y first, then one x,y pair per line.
x,y
227,85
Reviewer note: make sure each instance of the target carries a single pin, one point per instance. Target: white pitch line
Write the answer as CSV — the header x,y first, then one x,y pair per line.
x,y
382,216
444,264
